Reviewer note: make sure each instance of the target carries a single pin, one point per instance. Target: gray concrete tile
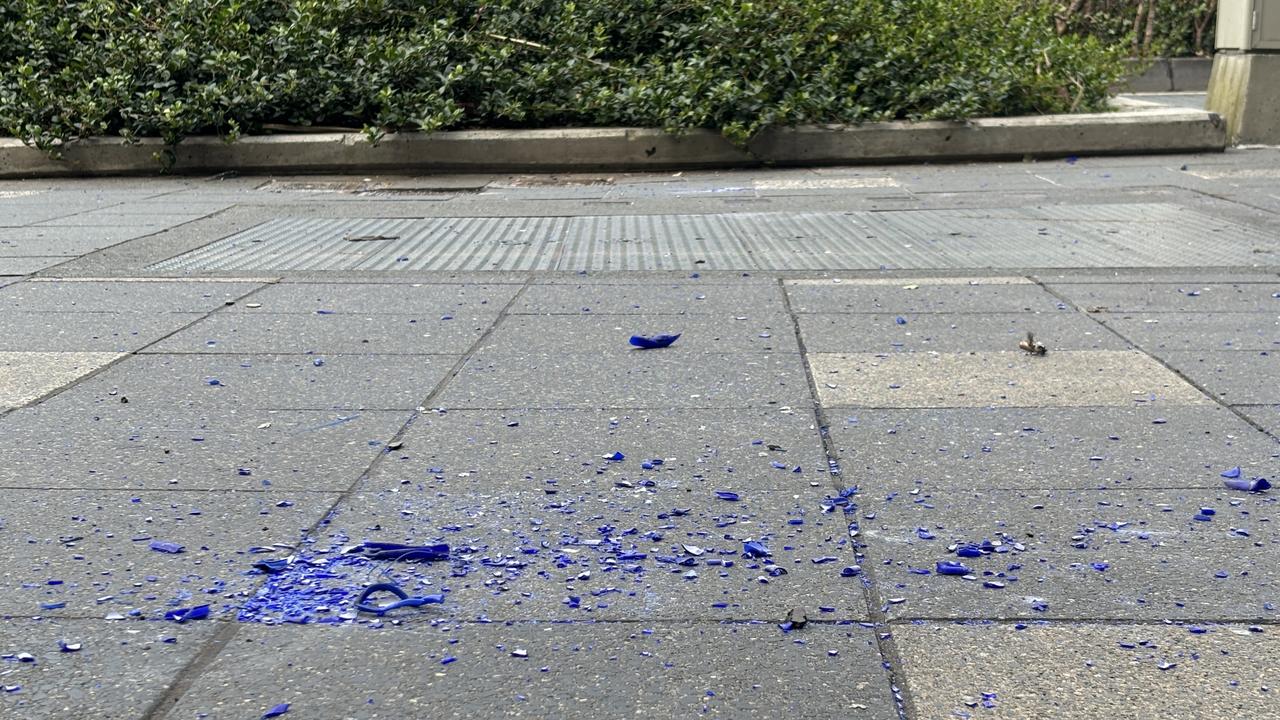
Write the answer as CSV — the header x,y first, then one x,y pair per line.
x,y
554,449
1006,379
91,234
391,298
957,295
103,332
1085,671
51,246
121,669
121,296
97,544
682,278
9,280
44,448
1155,561
951,332
610,334
116,217
519,555
1156,332
1174,297
1237,377
676,297
259,332
28,265
651,379
1266,416
201,382
1157,276
408,277
970,449
570,672
25,376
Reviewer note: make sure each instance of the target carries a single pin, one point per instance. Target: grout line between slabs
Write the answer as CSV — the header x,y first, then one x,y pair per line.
x,y
892,660
1214,399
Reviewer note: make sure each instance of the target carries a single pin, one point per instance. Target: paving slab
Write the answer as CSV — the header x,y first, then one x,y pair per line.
x,y
1174,297
95,331
91,234
92,549
30,264
299,382
1085,671
109,217
662,278
119,672
399,334
25,376
652,379
1157,276
407,278
951,332
674,298
389,298
569,449
610,334
577,555
1266,416
566,671
1237,377
1048,448
1156,332
1089,554
1008,379
52,246
123,296
985,295
57,448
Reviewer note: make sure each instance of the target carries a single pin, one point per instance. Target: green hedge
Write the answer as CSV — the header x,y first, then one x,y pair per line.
x,y
172,68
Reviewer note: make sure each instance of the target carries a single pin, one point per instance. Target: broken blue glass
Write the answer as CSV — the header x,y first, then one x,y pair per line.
x,y
396,551
900,320
272,567
276,711
653,342
616,457
1232,473
166,547
181,615
755,549
405,600
946,567
727,495
969,551
1256,484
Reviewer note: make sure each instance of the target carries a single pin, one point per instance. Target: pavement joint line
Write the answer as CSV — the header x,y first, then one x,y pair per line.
x,y
1204,391
188,673
1233,201
1031,622
123,356
187,676
892,659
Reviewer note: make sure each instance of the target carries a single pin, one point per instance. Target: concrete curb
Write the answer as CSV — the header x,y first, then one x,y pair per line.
x,y
1158,130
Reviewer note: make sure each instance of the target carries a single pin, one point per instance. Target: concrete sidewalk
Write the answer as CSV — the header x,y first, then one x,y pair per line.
x,y
212,390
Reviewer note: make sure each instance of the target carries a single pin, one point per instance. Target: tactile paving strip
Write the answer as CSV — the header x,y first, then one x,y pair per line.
x,y
1114,235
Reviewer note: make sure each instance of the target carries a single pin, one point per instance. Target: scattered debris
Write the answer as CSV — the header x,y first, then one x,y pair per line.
x,y
406,600
369,238
654,342
1033,346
